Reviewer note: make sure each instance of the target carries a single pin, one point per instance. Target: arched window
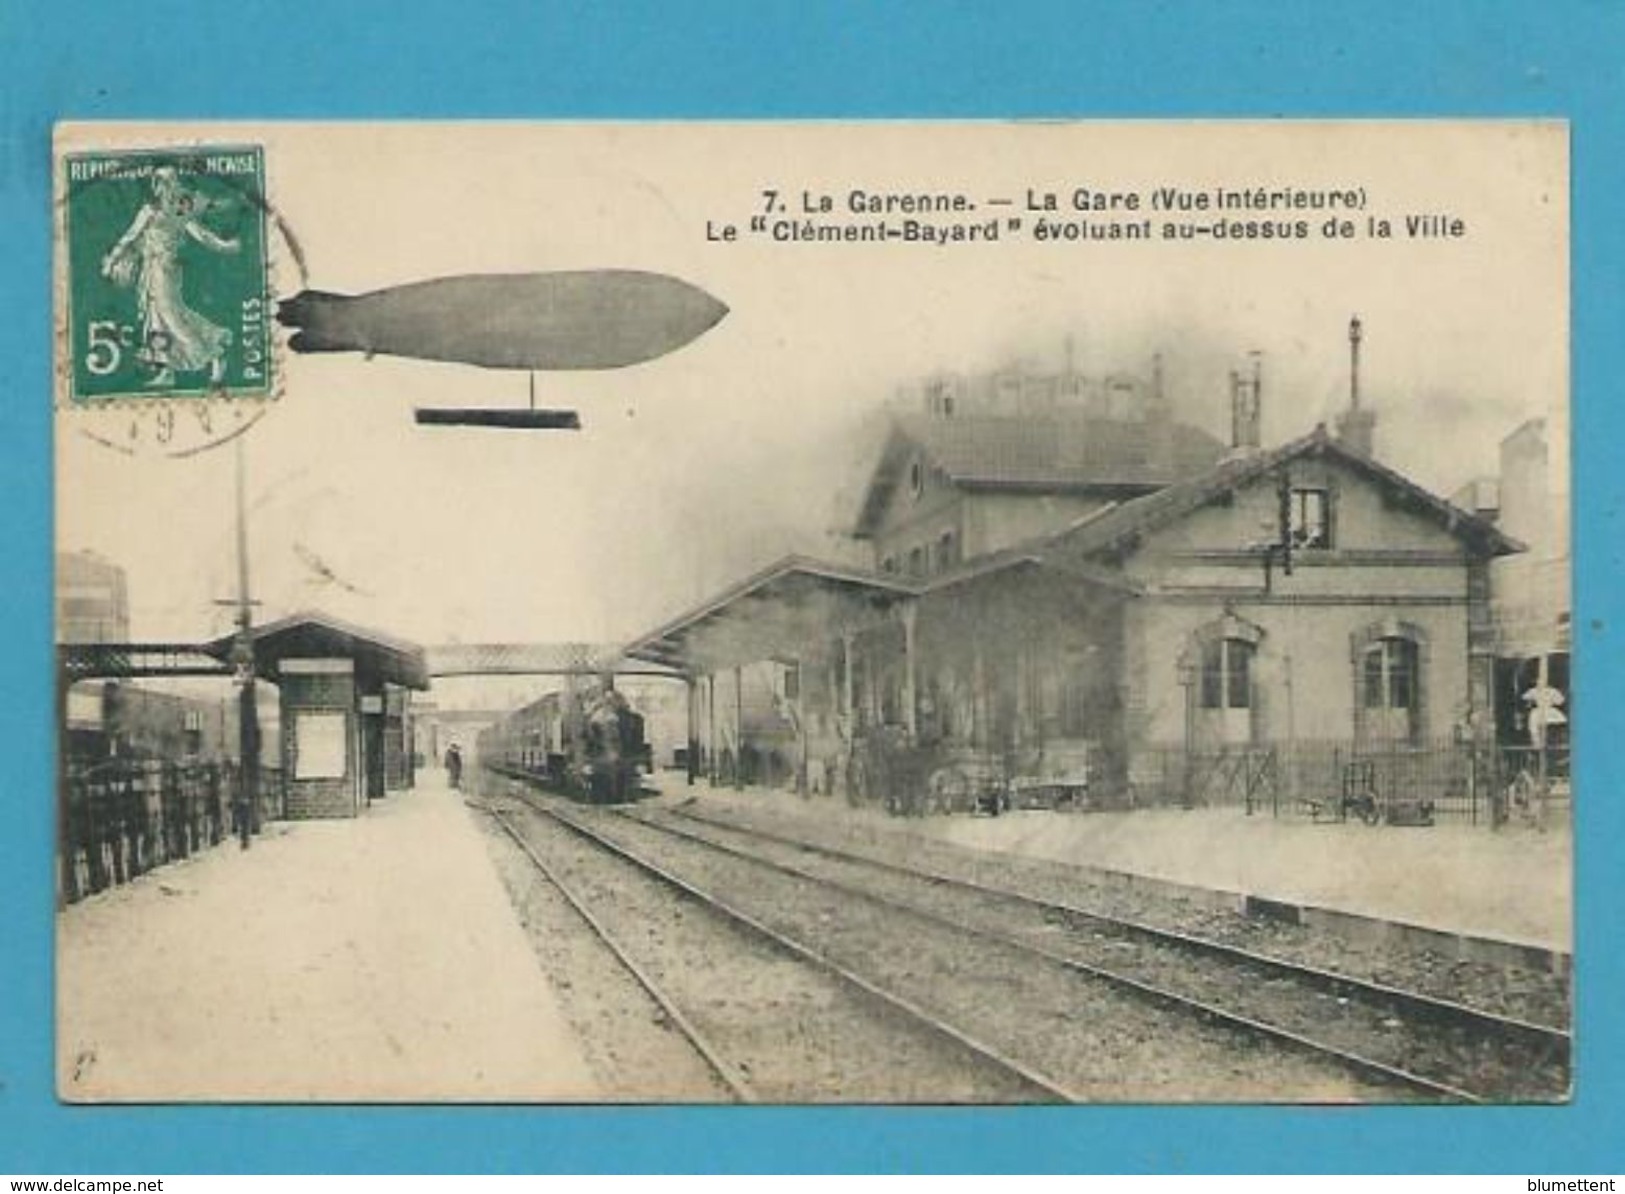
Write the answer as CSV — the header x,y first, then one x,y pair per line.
x,y
1224,692
1390,674
1227,673
1390,682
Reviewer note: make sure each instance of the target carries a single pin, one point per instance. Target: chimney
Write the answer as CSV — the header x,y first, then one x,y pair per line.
x,y
1157,408
1160,424
1245,393
1357,426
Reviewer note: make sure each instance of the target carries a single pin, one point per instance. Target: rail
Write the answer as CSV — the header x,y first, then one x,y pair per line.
x,y
1045,1087
738,1085
1540,1041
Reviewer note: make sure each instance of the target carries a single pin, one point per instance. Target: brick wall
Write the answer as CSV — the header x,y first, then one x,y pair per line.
x,y
314,798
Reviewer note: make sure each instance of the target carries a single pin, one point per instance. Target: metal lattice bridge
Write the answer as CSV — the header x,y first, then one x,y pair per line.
x,y
536,659
129,661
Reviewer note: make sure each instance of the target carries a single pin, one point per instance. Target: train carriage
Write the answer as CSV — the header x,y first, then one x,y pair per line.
x,y
586,742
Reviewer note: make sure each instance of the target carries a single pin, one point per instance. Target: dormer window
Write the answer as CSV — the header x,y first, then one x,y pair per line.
x,y
1311,519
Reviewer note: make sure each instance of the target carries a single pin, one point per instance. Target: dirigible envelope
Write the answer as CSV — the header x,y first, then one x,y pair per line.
x,y
583,319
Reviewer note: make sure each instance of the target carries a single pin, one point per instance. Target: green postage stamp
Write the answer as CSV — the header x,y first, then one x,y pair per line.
x,y
168,291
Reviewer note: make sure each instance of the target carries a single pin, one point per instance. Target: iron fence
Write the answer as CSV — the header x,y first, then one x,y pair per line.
x,y
1445,780
123,817
1425,782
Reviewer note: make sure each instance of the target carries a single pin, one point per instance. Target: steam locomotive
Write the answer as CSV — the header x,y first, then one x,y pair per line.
x,y
586,742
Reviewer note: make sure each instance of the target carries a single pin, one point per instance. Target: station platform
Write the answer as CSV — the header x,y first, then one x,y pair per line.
x,y
375,959
1478,886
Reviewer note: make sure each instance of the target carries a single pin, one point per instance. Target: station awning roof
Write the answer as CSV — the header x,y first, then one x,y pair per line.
x,y
782,612
315,635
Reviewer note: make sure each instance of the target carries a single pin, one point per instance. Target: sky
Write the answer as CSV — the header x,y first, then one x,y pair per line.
x,y
754,440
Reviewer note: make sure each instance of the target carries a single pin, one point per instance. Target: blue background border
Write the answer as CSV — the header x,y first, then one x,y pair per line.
x,y
765,59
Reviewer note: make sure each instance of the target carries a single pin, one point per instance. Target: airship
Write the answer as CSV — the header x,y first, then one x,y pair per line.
x,y
574,319
564,320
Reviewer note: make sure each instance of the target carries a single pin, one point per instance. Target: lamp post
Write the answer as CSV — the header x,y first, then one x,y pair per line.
x,y
1289,772
242,657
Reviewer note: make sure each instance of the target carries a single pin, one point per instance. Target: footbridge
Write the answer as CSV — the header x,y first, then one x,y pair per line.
x,y
538,659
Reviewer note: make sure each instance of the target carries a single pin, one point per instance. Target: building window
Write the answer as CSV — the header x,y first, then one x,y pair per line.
x,y
916,561
916,478
947,551
1310,516
889,564
1227,674
1390,686
1391,675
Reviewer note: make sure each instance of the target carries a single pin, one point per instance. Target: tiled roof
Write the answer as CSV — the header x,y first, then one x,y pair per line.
x,y
1052,451
309,632
784,582
1060,448
1121,526
1085,550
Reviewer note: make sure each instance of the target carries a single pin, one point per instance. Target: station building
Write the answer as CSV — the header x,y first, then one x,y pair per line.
x,y
1094,599
342,692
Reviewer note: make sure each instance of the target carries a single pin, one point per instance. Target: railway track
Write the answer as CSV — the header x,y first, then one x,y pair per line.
x,y
737,1085
827,1034
1084,1040
1432,1047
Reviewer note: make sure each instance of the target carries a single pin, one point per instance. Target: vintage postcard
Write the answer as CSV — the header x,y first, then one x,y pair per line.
x,y
947,613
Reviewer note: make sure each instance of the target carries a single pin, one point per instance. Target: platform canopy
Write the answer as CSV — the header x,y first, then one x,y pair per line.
x,y
787,611
317,636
